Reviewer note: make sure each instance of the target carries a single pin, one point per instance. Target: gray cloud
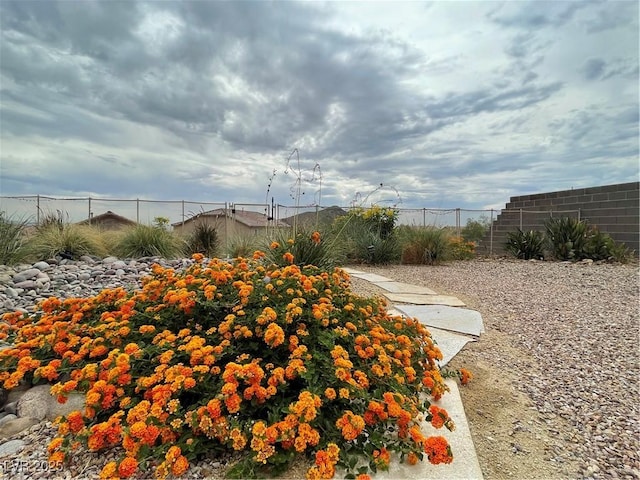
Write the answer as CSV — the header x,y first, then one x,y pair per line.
x,y
624,14
536,14
599,69
173,99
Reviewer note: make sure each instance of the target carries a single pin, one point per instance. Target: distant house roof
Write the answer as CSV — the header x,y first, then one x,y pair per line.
x,y
107,216
248,218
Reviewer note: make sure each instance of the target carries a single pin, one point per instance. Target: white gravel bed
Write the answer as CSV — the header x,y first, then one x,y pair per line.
x,y
580,325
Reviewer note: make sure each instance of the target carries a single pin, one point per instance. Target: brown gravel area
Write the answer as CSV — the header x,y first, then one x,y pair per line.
x,y
556,386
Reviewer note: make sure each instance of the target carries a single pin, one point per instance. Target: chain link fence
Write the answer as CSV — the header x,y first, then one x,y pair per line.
x,y
489,227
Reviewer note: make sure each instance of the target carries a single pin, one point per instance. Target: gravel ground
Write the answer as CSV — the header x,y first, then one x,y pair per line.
x,y
567,337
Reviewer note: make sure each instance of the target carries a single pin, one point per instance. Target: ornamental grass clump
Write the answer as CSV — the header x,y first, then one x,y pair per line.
x,y
266,361
12,239
70,240
149,241
306,249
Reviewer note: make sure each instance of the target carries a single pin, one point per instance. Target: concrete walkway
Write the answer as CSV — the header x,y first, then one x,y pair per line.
x,y
452,327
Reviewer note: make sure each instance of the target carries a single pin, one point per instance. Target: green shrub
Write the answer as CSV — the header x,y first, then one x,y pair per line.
x,y
525,245
204,239
12,239
475,230
621,253
345,231
307,248
600,246
149,241
567,237
68,240
366,235
424,245
380,220
369,247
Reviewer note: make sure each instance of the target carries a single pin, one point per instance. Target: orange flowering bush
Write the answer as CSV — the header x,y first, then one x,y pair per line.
x,y
461,249
268,361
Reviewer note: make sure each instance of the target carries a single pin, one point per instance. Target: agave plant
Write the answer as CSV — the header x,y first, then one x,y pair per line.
x,y
525,245
567,237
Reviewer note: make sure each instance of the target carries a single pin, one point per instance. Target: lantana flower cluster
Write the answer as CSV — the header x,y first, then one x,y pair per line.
x,y
268,361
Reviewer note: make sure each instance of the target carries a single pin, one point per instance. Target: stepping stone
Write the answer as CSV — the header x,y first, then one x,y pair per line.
x,y
424,299
371,277
351,271
449,343
399,287
454,319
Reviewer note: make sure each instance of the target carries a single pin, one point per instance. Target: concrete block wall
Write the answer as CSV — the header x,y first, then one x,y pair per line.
x,y
614,209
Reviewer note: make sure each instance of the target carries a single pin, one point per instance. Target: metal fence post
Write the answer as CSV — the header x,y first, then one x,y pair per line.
x,y
226,229
458,221
491,234
137,210
38,209
183,214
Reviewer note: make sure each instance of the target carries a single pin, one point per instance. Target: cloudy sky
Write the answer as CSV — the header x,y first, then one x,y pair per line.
x,y
446,104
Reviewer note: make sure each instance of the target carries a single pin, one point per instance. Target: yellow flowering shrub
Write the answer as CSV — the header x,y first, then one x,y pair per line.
x,y
246,356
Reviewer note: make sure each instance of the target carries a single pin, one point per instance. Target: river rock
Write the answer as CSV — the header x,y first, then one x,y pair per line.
x,y
7,418
11,292
25,275
10,448
26,284
42,266
10,428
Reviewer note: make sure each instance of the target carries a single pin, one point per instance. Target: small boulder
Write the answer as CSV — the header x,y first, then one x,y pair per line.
x,y
35,402
75,401
11,407
38,402
15,393
17,425
7,418
10,448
